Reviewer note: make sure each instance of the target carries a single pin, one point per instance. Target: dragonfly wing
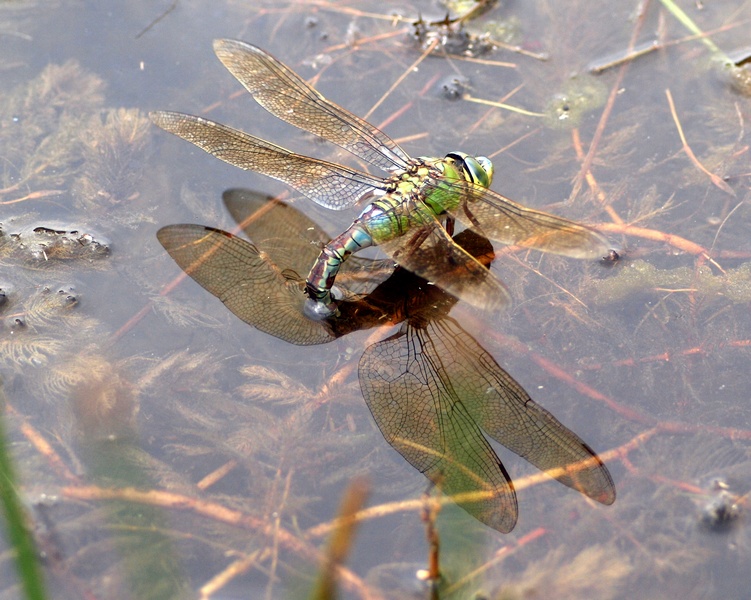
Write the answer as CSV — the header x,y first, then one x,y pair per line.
x,y
505,221
406,382
285,95
427,250
359,276
505,412
291,239
328,184
245,280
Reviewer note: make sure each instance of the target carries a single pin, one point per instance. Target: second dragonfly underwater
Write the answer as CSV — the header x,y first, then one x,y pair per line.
x,y
406,209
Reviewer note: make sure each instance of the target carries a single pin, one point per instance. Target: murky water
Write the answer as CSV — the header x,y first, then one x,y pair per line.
x,y
165,447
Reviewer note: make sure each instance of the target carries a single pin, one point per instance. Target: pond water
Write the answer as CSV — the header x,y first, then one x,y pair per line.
x,y
165,449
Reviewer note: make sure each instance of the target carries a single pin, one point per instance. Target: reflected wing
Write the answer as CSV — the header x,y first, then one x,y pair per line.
x,y
427,250
327,184
407,383
245,280
286,96
293,241
505,221
505,411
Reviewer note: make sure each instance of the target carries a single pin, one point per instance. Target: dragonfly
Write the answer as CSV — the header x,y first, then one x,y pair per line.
x,y
407,212
433,390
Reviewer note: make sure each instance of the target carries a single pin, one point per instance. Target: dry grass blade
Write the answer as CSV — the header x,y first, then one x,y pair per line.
x,y
340,541
716,179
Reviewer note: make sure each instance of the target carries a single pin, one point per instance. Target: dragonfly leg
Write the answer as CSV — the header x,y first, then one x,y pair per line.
x,y
321,277
449,225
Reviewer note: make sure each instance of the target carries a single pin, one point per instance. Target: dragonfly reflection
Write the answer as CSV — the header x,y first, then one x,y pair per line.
x,y
404,211
432,389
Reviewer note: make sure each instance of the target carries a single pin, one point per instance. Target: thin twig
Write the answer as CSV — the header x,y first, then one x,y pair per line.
x,y
157,19
716,179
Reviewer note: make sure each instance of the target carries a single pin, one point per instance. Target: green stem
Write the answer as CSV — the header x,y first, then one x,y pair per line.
x,y
686,21
19,537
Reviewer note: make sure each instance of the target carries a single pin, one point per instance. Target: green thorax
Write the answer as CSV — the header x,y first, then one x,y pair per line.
x,y
429,183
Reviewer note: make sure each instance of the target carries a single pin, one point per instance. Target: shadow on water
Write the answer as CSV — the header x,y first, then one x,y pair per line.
x,y
430,387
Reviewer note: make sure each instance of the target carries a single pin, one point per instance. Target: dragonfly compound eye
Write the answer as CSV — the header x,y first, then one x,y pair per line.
x,y
487,166
478,170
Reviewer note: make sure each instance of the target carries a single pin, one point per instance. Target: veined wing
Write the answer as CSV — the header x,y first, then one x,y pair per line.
x,y
408,384
293,241
245,280
289,238
505,221
502,408
328,184
426,249
285,95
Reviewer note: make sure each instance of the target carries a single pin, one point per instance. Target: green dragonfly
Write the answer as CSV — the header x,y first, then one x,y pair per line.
x,y
405,211
431,388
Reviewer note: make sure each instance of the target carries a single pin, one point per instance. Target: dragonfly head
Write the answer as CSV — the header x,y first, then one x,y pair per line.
x,y
477,169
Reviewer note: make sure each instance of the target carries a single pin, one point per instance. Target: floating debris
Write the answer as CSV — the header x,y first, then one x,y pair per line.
x,y
639,277
453,87
449,37
737,74
722,508
580,95
47,246
468,9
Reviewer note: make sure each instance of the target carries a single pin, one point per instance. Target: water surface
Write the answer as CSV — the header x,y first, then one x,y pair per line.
x,y
137,383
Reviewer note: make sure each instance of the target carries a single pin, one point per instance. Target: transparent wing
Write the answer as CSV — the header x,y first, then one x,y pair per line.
x,y
433,389
285,95
328,184
245,280
504,411
505,221
293,241
426,249
287,236
408,384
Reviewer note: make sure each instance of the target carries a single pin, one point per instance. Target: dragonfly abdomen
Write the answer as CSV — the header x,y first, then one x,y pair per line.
x,y
321,277
378,223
